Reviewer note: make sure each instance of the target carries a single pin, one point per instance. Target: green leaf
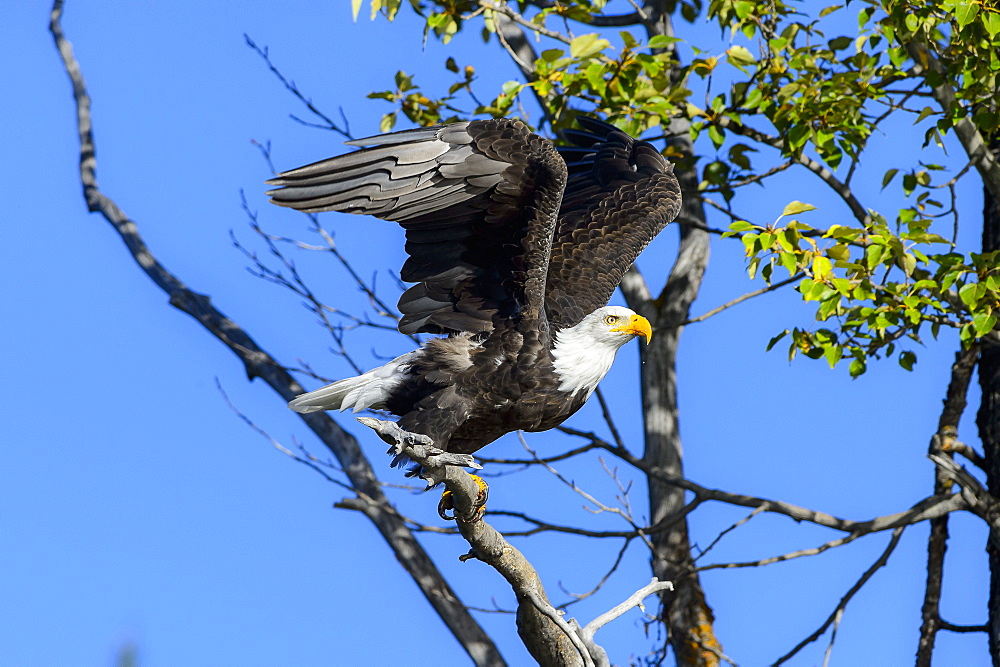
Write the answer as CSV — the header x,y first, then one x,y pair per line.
x,y
716,135
840,43
984,323
858,367
833,354
355,8
874,255
740,226
798,134
965,12
403,81
907,359
387,123
889,175
739,56
924,113
775,340
968,295
662,41
821,267
796,207
790,262
840,252
991,21
587,45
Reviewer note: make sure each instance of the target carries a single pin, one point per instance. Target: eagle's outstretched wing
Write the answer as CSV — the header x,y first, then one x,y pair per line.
x,y
478,201
621,193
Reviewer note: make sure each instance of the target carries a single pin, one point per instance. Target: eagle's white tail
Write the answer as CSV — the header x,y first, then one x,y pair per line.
x,y
369,390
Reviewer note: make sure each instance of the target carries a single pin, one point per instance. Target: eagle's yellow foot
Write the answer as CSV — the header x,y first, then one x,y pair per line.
x,y
447,504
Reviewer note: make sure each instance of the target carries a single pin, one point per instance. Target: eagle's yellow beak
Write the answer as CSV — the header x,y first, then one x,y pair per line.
x,y
637,326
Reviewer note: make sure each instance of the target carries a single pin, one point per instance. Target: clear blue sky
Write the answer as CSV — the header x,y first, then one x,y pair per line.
x,y
136,507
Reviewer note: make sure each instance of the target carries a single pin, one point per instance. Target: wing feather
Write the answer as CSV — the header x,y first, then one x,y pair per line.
x,y
621,193
478,201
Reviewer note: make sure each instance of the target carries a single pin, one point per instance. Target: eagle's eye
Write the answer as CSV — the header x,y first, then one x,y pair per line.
x,y
610,319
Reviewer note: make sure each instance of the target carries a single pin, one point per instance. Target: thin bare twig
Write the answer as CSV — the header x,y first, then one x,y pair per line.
x,y
749,295
329,123
834,617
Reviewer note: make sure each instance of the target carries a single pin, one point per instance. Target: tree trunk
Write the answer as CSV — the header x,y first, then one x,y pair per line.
x,y
686,613
988,420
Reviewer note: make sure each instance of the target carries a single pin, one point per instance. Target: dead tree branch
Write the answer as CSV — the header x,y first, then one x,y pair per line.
x,y
551,639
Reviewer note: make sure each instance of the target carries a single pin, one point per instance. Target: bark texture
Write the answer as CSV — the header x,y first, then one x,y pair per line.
x,y
988,420
686,613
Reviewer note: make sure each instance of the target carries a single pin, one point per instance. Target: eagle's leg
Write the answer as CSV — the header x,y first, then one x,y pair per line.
x,y
446,504
407,445
404,443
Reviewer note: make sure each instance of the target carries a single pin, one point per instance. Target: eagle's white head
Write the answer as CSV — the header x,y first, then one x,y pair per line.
x,y
583,353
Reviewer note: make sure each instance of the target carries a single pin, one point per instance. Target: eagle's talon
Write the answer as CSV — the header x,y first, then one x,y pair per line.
x,y
446,503
484,492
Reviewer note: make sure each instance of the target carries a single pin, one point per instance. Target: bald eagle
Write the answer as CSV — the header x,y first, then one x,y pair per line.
x,y
515,247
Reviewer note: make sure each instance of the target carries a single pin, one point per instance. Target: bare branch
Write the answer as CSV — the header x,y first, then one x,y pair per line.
x,y
329,123
606,413
577,597
545,526
979,500
748,295
951,627
923,510
788,556
545,459
504,9
654,586
834,618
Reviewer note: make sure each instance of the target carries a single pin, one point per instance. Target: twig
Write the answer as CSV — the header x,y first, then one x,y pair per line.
x,y
921,511
505,10
725,532
577,597
274,442
653,587
606,413
294,90
748,295
814,551
839,610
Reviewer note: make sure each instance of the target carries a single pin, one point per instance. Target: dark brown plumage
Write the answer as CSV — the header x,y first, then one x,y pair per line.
x,y
515,248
